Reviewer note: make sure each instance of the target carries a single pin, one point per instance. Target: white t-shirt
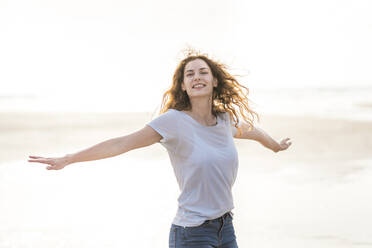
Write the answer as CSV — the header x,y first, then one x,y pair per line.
x,y
205,163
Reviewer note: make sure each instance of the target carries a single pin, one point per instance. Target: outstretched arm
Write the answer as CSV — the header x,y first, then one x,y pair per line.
x,y
261,136
106,149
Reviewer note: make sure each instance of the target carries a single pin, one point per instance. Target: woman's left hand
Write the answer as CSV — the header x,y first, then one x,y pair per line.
x,y
284,144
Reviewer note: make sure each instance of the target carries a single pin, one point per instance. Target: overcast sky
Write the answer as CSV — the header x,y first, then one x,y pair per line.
x,y
117,47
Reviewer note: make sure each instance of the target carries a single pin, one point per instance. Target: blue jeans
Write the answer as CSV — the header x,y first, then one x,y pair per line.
x,y
216,233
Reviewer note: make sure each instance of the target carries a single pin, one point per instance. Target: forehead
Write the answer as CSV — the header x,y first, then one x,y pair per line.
x,y
196,64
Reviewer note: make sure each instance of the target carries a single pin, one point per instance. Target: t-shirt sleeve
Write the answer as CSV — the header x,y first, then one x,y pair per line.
x,y
231,124
233,130
166,125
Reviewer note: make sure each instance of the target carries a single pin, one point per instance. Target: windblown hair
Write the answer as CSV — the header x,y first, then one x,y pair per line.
x,y
227,93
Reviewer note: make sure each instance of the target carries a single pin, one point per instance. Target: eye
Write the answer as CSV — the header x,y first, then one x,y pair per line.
x,y
204,72
188,75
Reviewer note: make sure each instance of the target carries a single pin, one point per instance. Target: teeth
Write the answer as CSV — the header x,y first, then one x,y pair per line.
x,y
198,86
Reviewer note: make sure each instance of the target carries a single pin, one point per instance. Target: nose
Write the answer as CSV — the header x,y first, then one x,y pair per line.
x,y
196,77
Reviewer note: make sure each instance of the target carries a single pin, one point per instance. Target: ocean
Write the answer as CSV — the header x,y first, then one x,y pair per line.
x,y
353,103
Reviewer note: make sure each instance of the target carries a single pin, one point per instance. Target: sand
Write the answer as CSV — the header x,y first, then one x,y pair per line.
x,y
316,194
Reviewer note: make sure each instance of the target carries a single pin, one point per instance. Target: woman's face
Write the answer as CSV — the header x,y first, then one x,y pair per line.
x,y
198,79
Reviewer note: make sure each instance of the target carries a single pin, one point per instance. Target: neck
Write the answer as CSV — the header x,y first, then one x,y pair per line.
x,y
201,108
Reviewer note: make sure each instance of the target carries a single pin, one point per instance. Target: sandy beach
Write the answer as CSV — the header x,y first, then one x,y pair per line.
x,y
316,194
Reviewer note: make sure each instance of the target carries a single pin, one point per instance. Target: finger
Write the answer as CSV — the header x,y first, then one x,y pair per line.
x,y
35,157
52,167
39,161
284,142
36,160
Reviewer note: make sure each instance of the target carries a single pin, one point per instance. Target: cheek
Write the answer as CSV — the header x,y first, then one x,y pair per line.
x,y
187,82
209,79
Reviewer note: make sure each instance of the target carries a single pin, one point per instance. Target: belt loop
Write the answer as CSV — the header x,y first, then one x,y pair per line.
x,y
222,224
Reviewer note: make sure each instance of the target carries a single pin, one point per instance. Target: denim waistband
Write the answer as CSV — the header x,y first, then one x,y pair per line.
x,y
223,216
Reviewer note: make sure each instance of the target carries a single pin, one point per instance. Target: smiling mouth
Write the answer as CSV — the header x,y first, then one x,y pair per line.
x,y
198,86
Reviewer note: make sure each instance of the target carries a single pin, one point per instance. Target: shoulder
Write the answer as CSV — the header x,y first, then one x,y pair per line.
x,y
169,115
169,112
225,116
172,113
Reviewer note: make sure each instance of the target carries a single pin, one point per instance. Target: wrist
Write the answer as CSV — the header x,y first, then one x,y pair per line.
x,y
68,159
276,147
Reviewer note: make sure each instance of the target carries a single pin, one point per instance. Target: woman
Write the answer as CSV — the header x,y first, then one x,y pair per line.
x,y
196,125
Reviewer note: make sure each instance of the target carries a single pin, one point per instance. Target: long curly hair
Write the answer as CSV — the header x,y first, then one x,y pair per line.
x,y
226,95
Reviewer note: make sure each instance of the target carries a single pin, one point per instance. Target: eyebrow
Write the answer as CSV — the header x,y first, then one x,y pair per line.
x,y
199,69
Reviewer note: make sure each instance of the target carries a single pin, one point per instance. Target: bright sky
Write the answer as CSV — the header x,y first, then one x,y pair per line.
x,y
121,48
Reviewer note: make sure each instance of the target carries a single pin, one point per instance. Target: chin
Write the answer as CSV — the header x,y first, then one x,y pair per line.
x,y
200,94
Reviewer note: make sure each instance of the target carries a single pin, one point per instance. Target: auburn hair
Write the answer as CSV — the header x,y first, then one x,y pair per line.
x,y
226,96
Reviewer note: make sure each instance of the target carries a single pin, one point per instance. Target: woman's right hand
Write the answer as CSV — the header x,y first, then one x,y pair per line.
x,y
55,163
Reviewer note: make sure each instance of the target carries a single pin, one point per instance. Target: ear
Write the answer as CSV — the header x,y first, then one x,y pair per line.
x,y
215,82
183,86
